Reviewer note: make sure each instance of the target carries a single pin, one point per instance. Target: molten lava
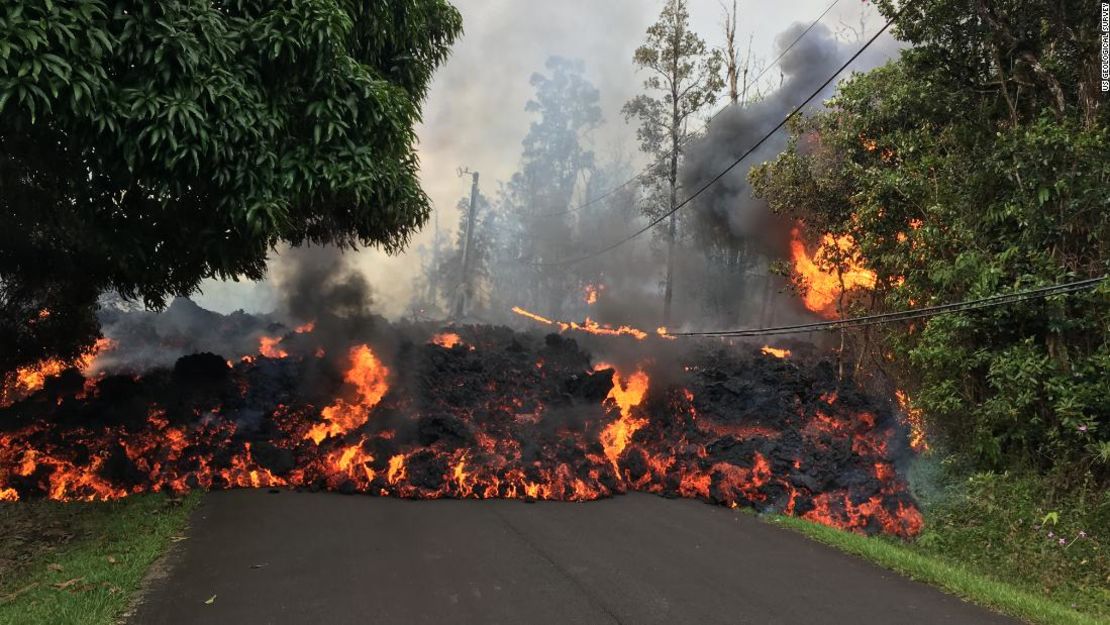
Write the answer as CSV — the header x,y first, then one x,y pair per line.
x,y
26,380
823,287
590,326
776,352
446,340
516,416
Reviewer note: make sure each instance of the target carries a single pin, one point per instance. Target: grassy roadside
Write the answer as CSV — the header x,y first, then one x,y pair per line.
x,y
80,563
1002,541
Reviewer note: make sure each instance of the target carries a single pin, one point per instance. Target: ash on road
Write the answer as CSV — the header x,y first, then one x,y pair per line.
x,y
302,558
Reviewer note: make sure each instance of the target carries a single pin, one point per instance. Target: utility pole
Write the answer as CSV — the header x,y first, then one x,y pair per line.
x,y
464,283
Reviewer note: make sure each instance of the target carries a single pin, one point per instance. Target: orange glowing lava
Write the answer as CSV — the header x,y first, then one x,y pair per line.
x,y
590,326
823,287
776,352
446,340
370,378
26,380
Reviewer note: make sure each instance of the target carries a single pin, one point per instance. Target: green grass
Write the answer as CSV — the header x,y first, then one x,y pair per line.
x,y
994,540
80,563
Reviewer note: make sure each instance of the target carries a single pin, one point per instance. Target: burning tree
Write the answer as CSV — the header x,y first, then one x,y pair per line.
x,y
145,146
953,187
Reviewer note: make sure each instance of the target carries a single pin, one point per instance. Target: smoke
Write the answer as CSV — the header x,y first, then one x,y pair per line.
x,y
728,206
475,117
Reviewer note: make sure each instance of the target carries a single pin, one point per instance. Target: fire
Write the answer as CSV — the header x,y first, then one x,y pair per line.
x,y
915,419
534,317
593,291
497,429
823,288
590,326
396,471
776,352
626,394
26,380
446,340
662,332
268,347
305,327
369,377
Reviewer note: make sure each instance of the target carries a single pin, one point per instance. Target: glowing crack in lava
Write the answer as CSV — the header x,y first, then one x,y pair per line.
x,y
425,421
823,288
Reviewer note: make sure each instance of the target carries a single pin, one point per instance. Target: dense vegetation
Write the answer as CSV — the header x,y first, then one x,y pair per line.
x,y
145,145
977,164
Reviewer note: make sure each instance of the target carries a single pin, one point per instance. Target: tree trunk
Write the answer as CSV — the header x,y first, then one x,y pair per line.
x,y
672,179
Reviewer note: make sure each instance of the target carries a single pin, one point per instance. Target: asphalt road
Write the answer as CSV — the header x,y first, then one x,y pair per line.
x,y
304,559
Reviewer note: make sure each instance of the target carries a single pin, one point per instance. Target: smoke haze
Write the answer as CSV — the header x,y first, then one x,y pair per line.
x,y
475,117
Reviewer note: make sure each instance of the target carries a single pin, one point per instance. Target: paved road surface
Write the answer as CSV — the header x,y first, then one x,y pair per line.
x,y
306,559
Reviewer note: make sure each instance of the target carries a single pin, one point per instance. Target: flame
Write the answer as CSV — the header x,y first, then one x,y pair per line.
x,y
775,351
626,394
534,317
26,380
662,332
593,291
268,347
308,326
396,472
915,419
488,437
823,288
369,377
446,340
592,327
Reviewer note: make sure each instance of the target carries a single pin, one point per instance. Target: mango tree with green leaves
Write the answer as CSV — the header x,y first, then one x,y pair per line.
x,y
976,164
145,146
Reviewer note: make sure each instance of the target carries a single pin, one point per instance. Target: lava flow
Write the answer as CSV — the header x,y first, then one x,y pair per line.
x,y
477,412
589,326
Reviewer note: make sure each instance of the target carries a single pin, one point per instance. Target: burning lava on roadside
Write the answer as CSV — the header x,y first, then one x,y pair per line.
x,y
470,412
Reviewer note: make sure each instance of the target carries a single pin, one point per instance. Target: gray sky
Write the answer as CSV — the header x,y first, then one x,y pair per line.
x,y
474,115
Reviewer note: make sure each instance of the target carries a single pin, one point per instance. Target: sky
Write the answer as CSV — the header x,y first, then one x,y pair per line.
x,y
474,115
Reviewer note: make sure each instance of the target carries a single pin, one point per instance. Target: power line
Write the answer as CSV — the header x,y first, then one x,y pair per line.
x,y
916,313
704,128
715,179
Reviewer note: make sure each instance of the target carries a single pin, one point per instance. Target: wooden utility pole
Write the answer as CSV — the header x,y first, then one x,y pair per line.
x,y
464,282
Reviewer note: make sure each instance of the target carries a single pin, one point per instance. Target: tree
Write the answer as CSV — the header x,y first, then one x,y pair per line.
x,y
537,199
145,146
684,76
955,190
